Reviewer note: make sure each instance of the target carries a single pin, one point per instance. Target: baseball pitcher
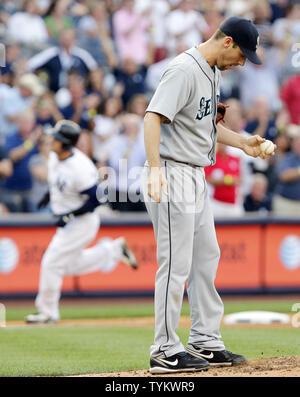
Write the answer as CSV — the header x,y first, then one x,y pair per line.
x,y
182,125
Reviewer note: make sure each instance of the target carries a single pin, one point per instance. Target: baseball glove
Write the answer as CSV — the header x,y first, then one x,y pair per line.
x,y
221,111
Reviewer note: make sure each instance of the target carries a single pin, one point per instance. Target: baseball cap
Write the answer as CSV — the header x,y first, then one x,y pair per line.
x,y
244,34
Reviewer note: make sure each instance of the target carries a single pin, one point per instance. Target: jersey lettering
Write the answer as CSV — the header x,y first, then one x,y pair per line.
x,y
204,109
61,184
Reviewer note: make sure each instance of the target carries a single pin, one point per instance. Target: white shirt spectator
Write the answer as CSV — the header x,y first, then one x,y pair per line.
x,y
158,11
188,25
103,136
27,28
127,161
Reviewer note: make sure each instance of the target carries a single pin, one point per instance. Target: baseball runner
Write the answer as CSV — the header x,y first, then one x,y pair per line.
x,y
181,128
73,179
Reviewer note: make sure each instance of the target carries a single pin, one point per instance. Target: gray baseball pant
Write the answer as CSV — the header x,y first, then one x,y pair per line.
x,y
187,251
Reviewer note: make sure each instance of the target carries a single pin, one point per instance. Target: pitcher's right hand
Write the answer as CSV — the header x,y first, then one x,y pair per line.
x,y
157,182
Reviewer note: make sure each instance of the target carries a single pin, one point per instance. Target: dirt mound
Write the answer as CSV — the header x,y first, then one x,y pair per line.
x,y
267,367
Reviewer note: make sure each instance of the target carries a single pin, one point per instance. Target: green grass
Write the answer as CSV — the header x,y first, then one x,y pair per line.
x,y
147,309
64,351
52,351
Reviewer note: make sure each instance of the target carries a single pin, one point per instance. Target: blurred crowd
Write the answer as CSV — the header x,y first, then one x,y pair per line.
x,y
98,62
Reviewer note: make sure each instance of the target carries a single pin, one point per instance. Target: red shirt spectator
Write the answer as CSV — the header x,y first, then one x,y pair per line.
x,y
290,95
224,176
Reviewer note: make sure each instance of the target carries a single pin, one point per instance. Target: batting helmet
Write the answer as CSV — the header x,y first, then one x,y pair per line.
x,y
67,132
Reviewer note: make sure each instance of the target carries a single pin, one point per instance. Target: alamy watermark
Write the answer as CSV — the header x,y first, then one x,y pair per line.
x,y
131,184
296,56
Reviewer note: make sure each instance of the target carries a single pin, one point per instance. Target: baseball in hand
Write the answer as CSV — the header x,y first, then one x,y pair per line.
x,y
267,147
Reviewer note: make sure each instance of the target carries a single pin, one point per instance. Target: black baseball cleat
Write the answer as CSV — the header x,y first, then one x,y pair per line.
x,y
218,358
128,256
180,362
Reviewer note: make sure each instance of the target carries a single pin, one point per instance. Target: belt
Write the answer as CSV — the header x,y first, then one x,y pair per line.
x,y
183,162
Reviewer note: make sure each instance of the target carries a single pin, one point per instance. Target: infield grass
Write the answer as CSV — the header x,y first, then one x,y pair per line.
x,y
53,351
56,351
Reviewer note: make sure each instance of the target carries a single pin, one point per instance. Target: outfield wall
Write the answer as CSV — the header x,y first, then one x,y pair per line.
x,y
258,255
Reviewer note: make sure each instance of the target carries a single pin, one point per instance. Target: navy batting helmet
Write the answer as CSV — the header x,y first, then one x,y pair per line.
x,y
67,132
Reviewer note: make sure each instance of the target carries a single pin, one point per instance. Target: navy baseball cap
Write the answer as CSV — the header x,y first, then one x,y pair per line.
x,y
244,34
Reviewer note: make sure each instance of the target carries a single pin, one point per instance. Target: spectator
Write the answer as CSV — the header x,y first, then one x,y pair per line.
x,y
5,164
126,161
213,15
76,110
39,173
290,96
12,56
28,26
5,91
278,8
57,61
262,13
138,104
47,113
106,127
95,35
18,99
21,147
286,200
283,143
5,172
260,80
225,177
157,12
185,25
56,21
130,31
258,199
286,32
131,78
260,120
96,84
234,120
7,8
155,71
85,144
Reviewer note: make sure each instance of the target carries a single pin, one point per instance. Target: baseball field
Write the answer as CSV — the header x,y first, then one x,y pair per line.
x,y
112,338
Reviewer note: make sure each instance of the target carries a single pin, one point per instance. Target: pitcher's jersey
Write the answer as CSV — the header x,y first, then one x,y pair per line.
x,y
67,179
187,95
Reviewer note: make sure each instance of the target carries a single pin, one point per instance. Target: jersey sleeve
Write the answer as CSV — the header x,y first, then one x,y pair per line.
x,y
86,177
171,95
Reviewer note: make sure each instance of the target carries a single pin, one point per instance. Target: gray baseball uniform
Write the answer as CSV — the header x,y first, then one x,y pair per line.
x,y
187,248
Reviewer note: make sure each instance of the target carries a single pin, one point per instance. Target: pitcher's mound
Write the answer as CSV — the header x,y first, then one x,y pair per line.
x,y
274,366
